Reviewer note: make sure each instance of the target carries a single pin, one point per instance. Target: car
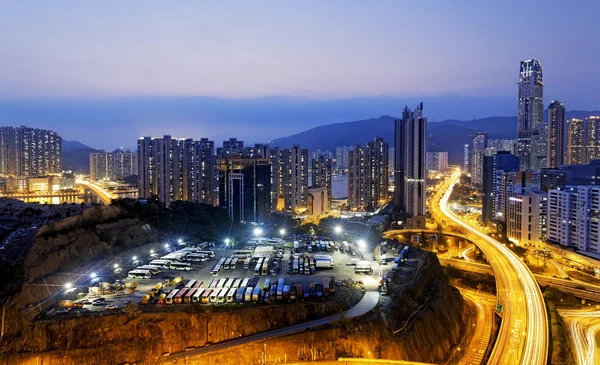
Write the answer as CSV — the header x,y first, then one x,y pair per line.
x,y
99,300
111,307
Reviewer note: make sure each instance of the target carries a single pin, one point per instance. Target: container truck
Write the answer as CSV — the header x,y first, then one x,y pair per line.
x,y
324,263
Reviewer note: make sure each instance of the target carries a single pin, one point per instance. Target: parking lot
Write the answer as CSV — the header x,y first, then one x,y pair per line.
x,y
342,273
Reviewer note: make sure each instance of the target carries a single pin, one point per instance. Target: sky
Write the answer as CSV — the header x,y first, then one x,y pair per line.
x,y
106,72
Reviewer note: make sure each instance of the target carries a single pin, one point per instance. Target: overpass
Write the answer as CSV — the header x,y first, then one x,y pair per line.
x,y
104,195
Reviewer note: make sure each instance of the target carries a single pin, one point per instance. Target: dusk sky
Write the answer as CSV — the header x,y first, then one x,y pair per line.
x,y
106,72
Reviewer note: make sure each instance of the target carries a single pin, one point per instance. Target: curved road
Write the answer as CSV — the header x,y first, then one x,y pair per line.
x,y
365,305
485,304
103,194
523,336
583,326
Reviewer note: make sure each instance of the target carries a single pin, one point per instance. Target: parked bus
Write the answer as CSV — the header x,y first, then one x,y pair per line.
x,y
265,266
221,283
165,264
253,282
181,266
242,253
295,266
178,299
206,296
196,257
227,263
197,297
267,284
247,263
256,294
140,274
188,296
210,254
230,297
248,294
214,295
286,292
216,269
153,269
228,283
280,284
198,284
239,296
233,264
236,283
161,299
258,266
222,297
171,295
213,283
190,284
244,282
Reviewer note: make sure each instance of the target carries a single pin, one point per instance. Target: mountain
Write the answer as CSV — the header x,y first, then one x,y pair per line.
x,y
449,135
76,156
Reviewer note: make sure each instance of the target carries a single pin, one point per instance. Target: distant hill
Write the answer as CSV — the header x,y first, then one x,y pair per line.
x,y
76,156
448,135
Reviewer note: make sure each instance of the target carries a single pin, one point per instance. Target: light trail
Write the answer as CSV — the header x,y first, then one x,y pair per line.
x,y
583,326
102,193
523,336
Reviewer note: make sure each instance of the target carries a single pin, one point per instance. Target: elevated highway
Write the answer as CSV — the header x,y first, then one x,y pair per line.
x,y
104,195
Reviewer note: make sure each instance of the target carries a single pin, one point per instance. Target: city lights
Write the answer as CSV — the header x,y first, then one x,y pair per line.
x,y
227,241
338,229
258,231
282,232
68,286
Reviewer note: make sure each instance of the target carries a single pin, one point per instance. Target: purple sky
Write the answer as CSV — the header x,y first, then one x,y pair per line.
x,y
306,49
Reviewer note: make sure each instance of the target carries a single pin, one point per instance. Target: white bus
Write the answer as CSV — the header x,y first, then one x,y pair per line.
x,y
181,266
216,270
190,284
258,266
244,283
210,254
221,283
228,283
153,269
227,263
171,295
222,297
247,262
140,274
231,295
236,283
196,257
197,297
248,294
233,263
213,296
165,264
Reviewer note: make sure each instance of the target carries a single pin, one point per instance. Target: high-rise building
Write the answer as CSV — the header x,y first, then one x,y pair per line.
x,y
341,157
466,158
177,169
114,165
551,178
501,161
233,147
526,218
531,109
477,154
437,161
321,174
317,153
556,134
391,161
294,170
509,183
502,145
245,187
592,138
573,217
28,151
410,139
539,147
575,142
368,175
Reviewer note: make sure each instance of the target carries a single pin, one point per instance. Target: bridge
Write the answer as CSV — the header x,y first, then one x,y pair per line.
x,y
104,195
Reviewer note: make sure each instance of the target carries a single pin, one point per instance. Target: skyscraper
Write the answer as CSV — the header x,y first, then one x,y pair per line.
x,y
111,165
556,134
28,151
575,142
321,174
232,147
531,110
437,161
294,170
477,154
177,169
357,178
592,138
466,158
501,161
539,147
410,139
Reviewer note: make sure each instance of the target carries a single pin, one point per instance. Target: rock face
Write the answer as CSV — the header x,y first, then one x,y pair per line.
x,y
60,249
427,310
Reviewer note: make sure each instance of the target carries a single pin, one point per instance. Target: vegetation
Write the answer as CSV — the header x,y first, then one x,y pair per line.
x,y
560,346
482,282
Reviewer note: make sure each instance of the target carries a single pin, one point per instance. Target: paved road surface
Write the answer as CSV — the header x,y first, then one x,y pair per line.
x,y
475,352
523,335
367,303
583,326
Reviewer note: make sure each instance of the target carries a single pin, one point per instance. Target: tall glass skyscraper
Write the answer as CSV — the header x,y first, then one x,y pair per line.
x,y
531,111
556,134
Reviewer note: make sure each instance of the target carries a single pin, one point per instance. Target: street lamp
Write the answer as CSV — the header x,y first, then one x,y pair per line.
x,y
116,266
151,252
362,245
93,275
338,229
180,241
282,232
68,286
167,246
227,241
258,231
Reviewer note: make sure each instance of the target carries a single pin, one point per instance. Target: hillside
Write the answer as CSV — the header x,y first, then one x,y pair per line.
x,y
76,156
448,135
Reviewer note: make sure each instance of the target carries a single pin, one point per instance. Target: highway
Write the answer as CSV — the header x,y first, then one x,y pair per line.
x,y
102,193
476,349
365,305
523,335
584,326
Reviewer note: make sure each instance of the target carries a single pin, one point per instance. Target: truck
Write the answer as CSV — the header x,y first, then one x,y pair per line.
x,y
293,292
280,285
324,263
256,294
286,292
363,267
